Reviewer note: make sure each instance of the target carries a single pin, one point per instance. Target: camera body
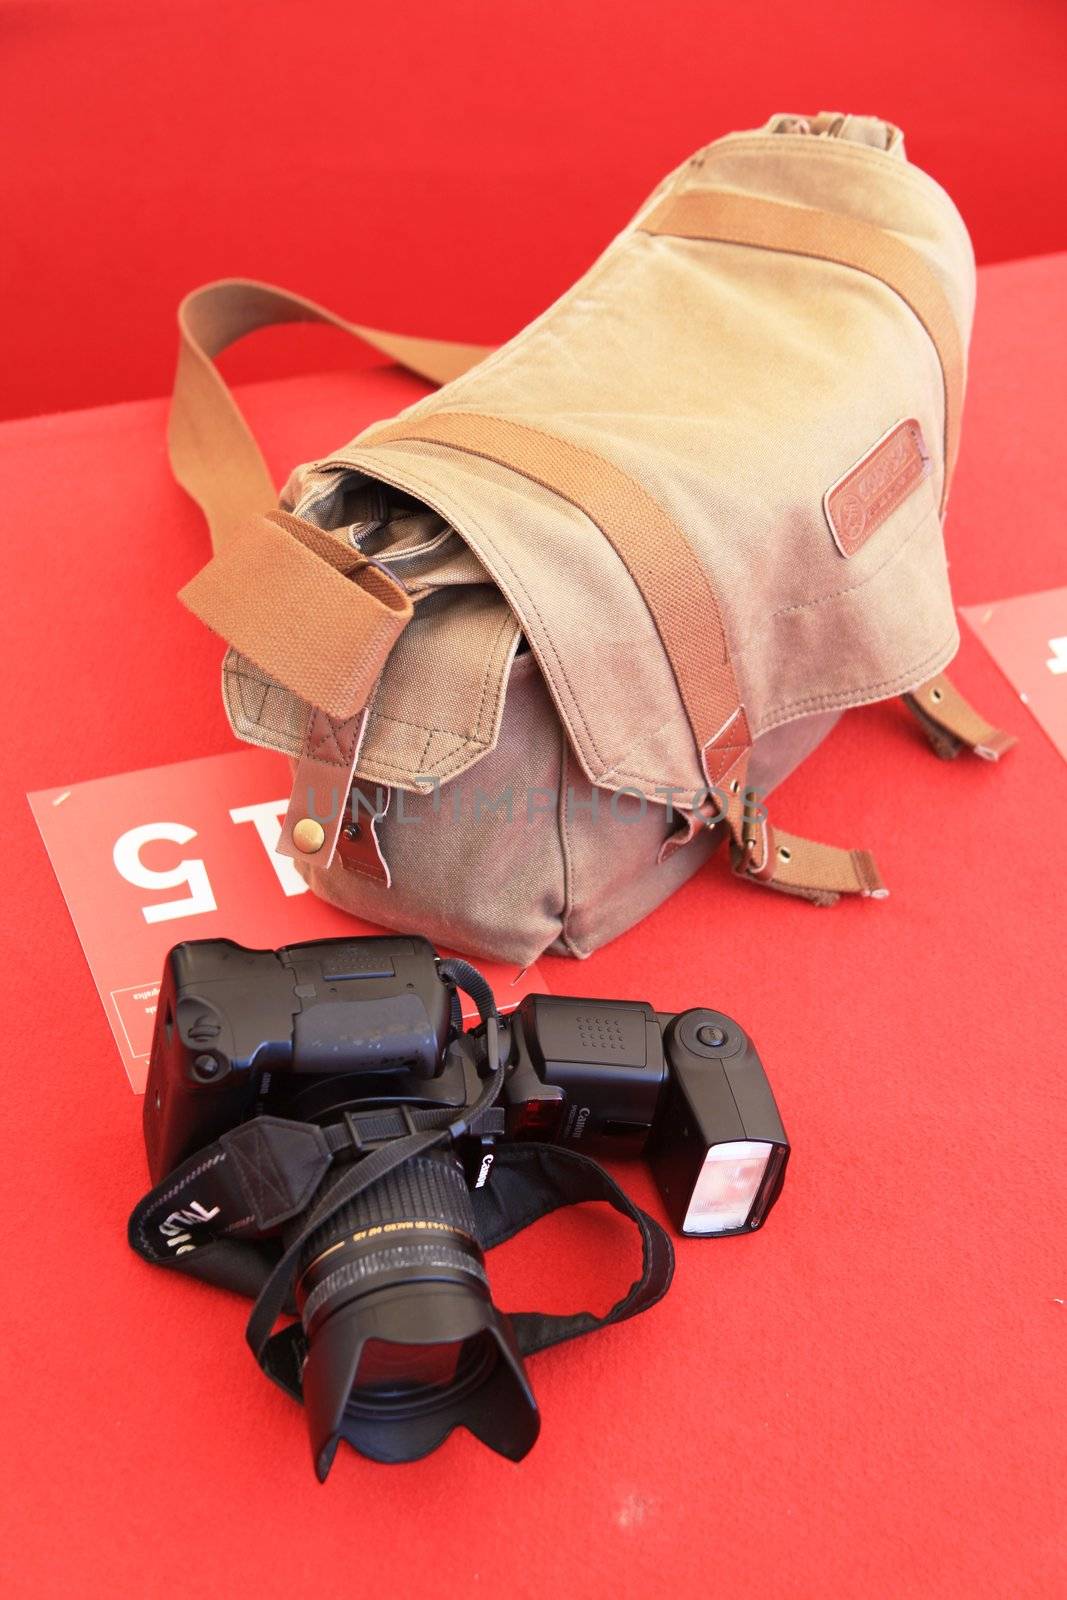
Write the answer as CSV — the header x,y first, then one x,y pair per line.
x,y
318,1030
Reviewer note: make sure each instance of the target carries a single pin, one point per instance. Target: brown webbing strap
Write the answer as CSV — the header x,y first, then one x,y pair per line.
x,y
652,547
298,602
817,872
306,607
212,451
729,218
682,603
821,872
950,722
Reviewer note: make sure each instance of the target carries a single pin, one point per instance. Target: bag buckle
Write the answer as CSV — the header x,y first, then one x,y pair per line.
x,y
752,856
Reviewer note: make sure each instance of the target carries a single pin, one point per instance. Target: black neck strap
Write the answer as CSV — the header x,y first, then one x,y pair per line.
x,y
209,1216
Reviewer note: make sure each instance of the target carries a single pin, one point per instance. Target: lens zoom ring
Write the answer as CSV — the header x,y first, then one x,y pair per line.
x,y
360,1272
429,1187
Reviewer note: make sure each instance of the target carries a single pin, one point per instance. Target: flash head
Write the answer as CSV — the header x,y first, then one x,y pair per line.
x,y
718,1148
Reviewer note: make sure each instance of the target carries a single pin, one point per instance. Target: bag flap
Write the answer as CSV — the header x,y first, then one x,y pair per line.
x,y
740,387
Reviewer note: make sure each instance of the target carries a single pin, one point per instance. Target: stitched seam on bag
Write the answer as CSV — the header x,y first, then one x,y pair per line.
x,y
462,748
238,711
405,771
490,674
447,755
849,588
916,674
479,739
255,716
566,853
278,739
480,736
379,762
422,727
316,748
563,824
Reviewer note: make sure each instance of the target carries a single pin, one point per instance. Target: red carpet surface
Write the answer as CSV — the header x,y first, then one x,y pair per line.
x,y
865,1400
444,168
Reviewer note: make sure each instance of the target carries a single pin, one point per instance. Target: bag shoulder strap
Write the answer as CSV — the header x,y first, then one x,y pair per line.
x,y
213,453
342,614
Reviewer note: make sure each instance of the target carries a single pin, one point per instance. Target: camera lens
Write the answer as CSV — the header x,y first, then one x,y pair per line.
x,y
403,1341
392,1374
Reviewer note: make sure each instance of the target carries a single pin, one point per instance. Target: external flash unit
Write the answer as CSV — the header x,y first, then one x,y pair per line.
x,y
686,1091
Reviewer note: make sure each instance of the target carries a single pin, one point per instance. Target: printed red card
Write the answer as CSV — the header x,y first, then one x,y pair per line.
x,y
147,859
1027,638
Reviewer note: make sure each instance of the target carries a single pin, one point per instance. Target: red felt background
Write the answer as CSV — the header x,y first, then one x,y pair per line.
x,y
867,1399
443,167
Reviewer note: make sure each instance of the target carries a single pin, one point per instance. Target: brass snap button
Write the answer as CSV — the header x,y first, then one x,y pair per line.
x,y
309,836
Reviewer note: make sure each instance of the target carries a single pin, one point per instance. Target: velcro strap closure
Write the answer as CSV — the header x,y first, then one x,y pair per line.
x,y
304,606
951,723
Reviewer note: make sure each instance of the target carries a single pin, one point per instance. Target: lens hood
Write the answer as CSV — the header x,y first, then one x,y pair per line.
x,y
489,1393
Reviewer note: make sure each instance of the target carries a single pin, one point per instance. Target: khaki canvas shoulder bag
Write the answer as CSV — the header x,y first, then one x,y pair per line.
x,y
541,642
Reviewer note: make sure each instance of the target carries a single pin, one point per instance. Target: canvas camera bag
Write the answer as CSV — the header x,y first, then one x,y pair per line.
x,y
542,642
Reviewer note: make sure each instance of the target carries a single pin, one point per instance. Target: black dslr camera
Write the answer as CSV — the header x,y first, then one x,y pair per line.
x,y
352,1052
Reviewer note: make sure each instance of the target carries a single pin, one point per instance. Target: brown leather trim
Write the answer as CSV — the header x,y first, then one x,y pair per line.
x,y
860,501
820,873
730,218
322,781
359,847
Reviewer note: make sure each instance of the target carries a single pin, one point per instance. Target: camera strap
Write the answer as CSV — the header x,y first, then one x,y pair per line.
x,y
529,1182
532,1180
207,1219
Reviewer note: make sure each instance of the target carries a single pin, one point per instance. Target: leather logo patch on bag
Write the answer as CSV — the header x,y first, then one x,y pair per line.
x,y
870,491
